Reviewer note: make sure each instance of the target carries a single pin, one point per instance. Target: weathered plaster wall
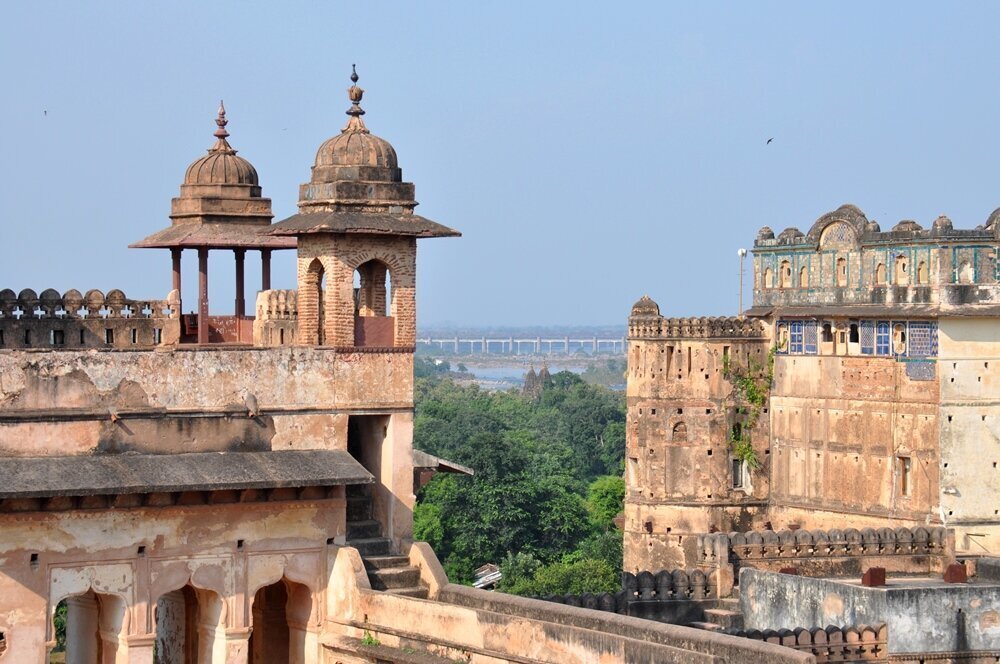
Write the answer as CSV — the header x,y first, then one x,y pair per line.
x,y
838,425
969,426
192,400
679,473
931,617
227,550
487,627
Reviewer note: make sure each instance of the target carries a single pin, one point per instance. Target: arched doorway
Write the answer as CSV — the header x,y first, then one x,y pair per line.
x,y
374,321
281,613
314,291
189,627
87,627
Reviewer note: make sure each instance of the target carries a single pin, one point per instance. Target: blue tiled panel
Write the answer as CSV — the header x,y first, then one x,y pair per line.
x,y
809,337
868,337
922,339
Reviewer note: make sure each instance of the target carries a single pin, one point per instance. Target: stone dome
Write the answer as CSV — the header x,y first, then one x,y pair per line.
x,y
907,225
873,227
645,306
942,225
221,165
765,233
790,235
355,145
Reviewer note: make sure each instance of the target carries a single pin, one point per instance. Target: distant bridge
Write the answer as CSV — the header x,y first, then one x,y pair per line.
x,y
526,346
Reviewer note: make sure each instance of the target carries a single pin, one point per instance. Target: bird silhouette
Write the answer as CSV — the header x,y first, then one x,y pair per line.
x,y
45,112
769,141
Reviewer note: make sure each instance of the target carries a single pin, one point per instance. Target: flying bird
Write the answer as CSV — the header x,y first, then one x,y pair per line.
x,y
769,141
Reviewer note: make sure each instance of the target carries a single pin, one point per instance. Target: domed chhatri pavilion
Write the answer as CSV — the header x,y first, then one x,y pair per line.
x,y
194,488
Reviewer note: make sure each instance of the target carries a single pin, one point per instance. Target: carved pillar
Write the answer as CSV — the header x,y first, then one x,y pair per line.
x,y
203,295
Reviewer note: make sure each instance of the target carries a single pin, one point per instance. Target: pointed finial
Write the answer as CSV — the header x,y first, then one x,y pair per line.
x,y
354,93
221,144
221,121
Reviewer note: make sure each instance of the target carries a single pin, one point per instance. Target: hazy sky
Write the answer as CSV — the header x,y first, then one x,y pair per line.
x,y
589,152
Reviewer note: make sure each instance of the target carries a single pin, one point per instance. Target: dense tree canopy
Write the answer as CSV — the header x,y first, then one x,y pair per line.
x,y
547,483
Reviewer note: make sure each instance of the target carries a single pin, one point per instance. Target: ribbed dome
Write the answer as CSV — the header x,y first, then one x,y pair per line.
x,y
356,147
221,165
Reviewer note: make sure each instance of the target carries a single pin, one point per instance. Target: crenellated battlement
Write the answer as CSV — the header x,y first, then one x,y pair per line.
x,y
91,320
729,327
277,321
861,643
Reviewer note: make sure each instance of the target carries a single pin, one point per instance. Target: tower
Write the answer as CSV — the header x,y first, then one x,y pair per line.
x,y
685,474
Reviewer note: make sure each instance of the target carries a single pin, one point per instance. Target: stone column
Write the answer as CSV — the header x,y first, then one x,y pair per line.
x,y
203,295
82,640
238,645
175,255
241,305
139,648
265,269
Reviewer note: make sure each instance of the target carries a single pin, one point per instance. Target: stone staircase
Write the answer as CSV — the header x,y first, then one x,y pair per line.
x,y
387,570
722,618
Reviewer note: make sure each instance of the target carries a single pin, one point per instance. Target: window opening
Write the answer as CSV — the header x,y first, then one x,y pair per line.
x,y
905,480
804,277
739,472
880,275
109,335
841,272
881,338
855,334
679,433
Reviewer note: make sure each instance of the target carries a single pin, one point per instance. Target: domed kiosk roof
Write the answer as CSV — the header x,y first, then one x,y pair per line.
x,y
221,165
220,203
357,186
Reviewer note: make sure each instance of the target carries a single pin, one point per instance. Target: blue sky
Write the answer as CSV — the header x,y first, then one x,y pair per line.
x,y
589,152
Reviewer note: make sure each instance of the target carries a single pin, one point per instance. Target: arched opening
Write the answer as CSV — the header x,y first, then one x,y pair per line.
x,y
899,339
841,272
87,628
280,614
922,276
804,277
374,322
880,274
901,276
189,627
965,273
312,300
768,278
680,433
785,275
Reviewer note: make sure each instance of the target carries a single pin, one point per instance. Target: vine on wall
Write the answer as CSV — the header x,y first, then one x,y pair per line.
x,y
751,387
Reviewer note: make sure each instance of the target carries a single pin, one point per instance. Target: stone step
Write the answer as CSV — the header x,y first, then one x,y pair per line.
x,y
394,577
359,508
724,618
366,529
384,562
417,591
373,546
707,626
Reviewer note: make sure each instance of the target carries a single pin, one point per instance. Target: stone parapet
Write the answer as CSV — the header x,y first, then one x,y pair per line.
x,y
860,643
730,327
74,320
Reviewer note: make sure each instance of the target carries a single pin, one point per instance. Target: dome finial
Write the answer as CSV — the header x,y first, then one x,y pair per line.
x,y
221,145
354,93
